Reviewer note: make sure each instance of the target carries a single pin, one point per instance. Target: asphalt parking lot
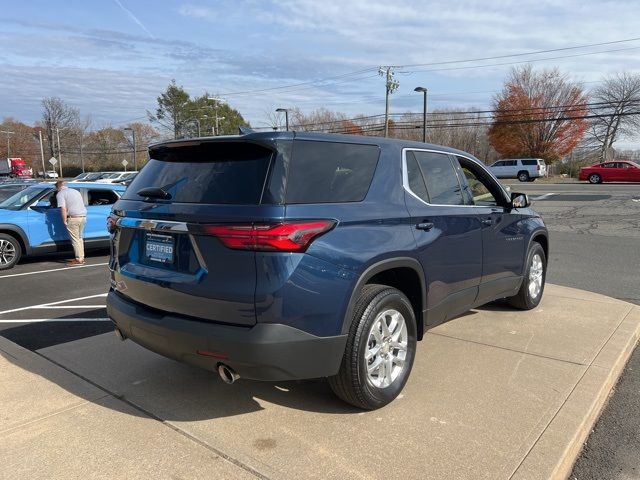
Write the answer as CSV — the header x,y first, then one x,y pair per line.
x,y
595,231
45,303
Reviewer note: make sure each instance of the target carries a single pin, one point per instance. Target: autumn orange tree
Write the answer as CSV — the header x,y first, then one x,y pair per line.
x,y
538,114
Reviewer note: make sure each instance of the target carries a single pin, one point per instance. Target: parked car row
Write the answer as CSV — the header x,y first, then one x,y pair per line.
x,y
31,223
104,177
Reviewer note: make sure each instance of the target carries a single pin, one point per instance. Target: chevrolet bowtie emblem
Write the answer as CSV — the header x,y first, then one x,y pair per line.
x,y
148,225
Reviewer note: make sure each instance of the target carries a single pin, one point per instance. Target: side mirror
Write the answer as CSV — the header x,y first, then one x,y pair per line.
x,y
520,200
43,204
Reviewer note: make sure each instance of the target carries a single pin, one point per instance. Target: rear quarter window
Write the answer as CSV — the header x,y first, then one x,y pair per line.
x,y
209,173
330,172
529,162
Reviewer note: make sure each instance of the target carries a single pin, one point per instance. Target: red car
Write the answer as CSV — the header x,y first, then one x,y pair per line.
x,y
611,172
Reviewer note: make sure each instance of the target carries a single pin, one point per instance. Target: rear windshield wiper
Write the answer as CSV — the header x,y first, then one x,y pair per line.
x,y
154,192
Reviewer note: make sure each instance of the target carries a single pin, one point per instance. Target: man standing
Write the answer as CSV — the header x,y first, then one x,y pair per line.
x,y
74,216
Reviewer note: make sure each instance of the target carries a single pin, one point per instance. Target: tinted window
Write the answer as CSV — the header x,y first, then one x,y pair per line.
x,y
498,164
220,172
441,178
511,163
529,162
328,172
416,181
101,197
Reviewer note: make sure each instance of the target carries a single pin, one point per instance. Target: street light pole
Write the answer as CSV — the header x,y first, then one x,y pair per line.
x,y
8,146
424,112
286,116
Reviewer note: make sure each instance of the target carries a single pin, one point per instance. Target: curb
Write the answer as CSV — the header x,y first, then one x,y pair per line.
x,y
572,425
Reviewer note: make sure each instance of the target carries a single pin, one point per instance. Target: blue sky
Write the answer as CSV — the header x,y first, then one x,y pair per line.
x,y
112,58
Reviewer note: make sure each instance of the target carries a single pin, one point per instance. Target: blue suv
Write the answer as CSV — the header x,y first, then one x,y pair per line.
x,y
279,256
31,224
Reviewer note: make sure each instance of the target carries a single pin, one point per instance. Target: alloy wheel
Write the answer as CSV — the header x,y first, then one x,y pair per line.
x,y
386,350
7,252
535,276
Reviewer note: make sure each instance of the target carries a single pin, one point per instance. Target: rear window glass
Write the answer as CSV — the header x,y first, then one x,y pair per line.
x,y
225,173
328,172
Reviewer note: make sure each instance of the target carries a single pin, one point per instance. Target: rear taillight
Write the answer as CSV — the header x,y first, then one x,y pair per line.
x,y
281,237
112,221
539,168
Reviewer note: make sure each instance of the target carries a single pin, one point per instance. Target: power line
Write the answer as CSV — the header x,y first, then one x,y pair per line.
x,y
519,63
626,40
314,83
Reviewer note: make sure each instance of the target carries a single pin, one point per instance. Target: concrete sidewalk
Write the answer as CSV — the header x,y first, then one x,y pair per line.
x,y
494,394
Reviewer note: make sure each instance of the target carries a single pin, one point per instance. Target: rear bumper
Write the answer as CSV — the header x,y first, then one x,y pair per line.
x,y
262,352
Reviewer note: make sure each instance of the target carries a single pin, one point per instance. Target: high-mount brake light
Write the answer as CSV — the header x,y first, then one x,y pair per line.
x,y
280,237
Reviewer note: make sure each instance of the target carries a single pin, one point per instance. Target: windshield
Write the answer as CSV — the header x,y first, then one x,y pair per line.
x,y
20,199
81,176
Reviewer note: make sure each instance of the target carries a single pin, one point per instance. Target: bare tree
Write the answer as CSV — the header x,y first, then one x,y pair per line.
x,y
57,115
616,104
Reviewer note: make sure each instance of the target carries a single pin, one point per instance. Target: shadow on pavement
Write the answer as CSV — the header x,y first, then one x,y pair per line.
x,y
157,386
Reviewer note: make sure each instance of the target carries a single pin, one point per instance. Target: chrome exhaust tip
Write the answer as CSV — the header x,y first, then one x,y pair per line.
x,y
120,335
227,374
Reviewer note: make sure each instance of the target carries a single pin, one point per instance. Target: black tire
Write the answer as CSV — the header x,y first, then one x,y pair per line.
x,y
353,384
10,251
595,178
524,299
523,176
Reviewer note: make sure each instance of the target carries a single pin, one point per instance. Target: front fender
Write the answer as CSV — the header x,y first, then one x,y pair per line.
x,y
18,232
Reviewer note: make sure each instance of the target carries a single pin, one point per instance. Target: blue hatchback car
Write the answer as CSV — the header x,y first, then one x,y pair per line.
x,y
31,224
278,256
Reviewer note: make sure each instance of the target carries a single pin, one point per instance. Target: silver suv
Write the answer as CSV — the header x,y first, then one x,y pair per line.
x,y
524,169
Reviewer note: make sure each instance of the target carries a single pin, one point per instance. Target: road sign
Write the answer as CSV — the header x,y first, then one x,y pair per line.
x,y
53,161
124,163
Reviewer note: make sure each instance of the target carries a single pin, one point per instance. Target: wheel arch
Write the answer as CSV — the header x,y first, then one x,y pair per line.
x,y
19,234
542,238
400,273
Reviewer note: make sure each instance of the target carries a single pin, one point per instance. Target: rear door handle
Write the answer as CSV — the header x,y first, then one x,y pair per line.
x,y
487,221
426,226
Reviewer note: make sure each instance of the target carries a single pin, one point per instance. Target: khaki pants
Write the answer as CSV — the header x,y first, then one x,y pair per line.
x,y
75,227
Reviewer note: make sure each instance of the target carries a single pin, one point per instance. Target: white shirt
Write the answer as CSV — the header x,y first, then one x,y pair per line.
x,y
72,200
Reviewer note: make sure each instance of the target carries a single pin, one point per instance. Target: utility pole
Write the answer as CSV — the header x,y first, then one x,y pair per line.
x,y
391,86
133,133
8,146
81,149
44,169
59,152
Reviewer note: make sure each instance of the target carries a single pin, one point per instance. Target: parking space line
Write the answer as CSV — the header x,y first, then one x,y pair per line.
x,y
52,303
53,270
48,307
543,197
42,320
